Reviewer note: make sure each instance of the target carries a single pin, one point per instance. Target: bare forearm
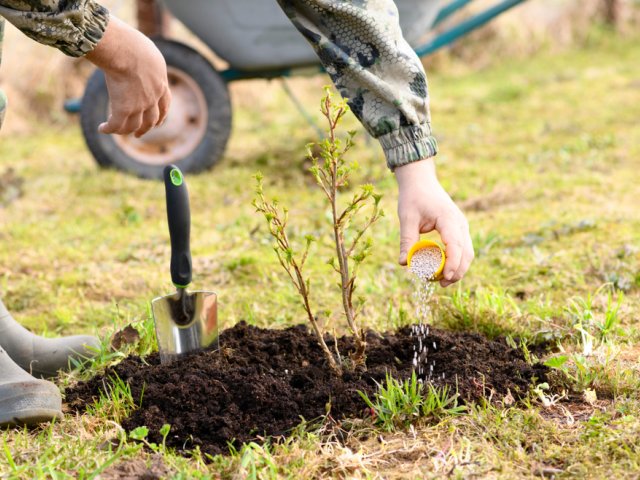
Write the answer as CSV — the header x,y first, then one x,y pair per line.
x,y
113,52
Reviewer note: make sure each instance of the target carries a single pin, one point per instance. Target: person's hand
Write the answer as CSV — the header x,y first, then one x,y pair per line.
x,y
136,76
424,206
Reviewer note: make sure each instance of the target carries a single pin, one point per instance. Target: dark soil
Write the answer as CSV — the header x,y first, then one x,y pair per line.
x,y
263,382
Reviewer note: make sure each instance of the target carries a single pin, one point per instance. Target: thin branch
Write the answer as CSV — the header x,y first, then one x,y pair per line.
x,y
287,260
373,219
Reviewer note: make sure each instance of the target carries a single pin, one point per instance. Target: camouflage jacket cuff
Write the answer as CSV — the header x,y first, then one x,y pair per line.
x,y
74,28
89,31
408,144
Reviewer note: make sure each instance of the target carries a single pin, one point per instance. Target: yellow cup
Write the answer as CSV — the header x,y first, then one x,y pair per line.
x,y
428,244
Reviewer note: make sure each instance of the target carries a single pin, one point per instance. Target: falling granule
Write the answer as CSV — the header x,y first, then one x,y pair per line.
x,y
420,332
422,295
424,265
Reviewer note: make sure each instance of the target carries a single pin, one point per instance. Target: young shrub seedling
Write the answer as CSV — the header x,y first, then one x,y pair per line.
x,y
332,173
291,262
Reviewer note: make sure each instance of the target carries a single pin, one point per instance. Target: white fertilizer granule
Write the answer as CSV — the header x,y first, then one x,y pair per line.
x,y
424,265
426,262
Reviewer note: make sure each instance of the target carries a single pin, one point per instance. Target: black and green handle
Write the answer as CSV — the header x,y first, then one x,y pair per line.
x,y
179,217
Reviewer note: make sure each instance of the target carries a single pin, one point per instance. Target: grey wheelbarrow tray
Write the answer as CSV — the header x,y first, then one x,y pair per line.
x,y
256,40
259,41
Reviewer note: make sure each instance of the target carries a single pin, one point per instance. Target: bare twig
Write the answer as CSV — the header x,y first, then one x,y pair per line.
x,y
277,223
332,173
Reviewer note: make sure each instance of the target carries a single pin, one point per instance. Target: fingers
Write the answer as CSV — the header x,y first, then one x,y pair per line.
x,y
113,124
132,124
409,234
451,237
163,105
149,120
106,127
138,123
459,251
120,124
468,254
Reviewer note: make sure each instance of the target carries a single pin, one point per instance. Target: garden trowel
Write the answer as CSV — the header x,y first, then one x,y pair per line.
x,y
185,321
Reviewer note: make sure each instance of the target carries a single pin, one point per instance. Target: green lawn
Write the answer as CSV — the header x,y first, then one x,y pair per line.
x,y
542,156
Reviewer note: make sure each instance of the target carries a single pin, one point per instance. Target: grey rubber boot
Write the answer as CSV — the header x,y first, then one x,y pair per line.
x,y
25,400
42,357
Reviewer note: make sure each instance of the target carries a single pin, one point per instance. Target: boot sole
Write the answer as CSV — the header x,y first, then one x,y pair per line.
x,y
29,403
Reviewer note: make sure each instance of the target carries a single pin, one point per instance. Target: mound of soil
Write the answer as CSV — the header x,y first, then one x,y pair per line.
x,y
263,382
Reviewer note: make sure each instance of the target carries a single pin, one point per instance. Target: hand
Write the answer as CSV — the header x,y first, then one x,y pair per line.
x,y
136,76
424,206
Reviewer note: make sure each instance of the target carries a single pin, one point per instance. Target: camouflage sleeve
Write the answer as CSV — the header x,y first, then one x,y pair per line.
x,y
361,46
73,26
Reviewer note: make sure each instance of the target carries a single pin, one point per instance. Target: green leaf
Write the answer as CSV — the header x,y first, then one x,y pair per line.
x,y
139,433
556,362
288,253
164,431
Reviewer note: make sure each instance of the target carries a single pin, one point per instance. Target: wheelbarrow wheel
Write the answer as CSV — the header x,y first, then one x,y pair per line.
x,y
196,131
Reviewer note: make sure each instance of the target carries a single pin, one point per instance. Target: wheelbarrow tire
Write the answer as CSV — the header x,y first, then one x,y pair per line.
x,y
128,154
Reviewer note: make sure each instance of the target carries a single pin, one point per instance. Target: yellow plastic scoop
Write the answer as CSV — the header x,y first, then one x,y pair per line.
x,y
425,255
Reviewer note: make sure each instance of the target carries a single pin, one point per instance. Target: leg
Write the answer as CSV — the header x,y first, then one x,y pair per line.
x,y
41,356
25,400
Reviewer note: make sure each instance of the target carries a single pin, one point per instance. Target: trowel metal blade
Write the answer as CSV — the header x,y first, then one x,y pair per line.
x,y
185,322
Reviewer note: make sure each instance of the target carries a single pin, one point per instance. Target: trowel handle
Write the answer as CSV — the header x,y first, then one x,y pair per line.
x,y
179,217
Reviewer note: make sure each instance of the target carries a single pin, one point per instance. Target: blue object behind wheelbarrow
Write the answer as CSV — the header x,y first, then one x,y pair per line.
x,y
257,40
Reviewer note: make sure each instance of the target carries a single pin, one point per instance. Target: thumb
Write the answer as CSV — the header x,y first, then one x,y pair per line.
x,y
106,127
409,234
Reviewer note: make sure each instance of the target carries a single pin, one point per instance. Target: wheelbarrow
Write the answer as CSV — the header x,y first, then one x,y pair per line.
x,y
256,40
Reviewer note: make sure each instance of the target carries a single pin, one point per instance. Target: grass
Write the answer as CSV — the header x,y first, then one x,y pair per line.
x,y
401,403
542,155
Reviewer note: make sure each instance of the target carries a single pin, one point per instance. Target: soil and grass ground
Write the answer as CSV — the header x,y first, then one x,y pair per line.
x,y
541,155
262,382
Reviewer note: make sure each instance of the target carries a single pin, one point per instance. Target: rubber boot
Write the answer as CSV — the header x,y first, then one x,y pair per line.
x,y
42,357
23,399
